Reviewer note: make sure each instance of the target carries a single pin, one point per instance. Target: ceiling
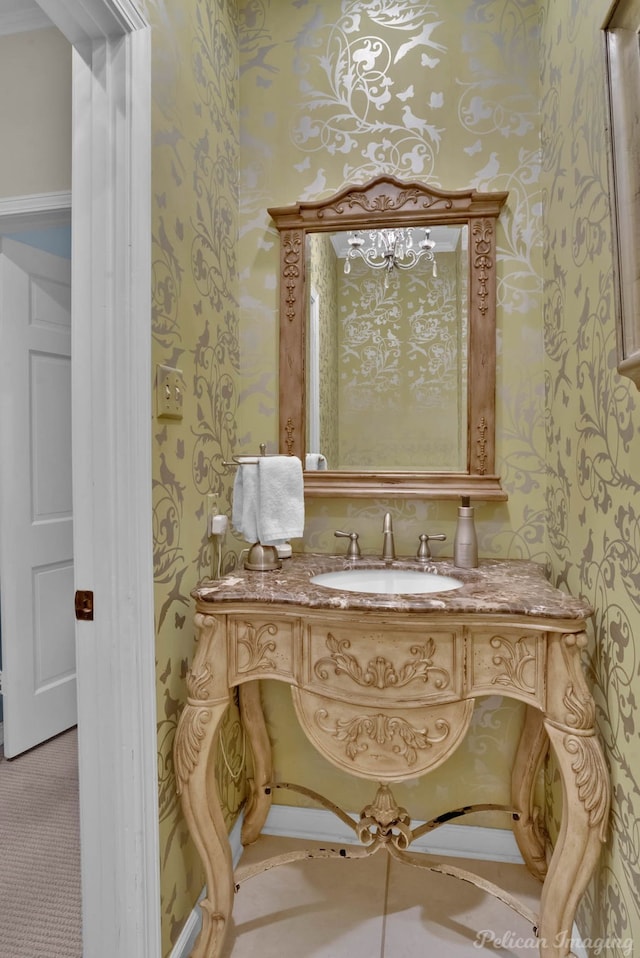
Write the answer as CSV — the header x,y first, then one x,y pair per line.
x,y
19,15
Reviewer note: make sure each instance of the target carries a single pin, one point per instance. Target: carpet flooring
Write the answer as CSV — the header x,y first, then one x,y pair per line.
x,y
40,904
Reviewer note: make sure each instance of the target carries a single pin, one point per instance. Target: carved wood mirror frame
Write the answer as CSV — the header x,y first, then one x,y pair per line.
x,y
385,202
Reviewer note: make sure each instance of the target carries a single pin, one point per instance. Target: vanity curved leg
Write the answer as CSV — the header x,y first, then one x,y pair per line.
x,y
255,729
194,751
528,828
585,794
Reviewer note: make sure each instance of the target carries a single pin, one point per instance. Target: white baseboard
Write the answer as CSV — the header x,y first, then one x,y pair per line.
x,y
452,841
190,931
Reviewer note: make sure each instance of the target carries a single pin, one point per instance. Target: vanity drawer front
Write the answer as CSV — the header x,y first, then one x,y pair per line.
x,y
262,646
512,660
385,664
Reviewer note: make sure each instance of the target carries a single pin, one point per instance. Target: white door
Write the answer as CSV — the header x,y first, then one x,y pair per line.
x,y
36,524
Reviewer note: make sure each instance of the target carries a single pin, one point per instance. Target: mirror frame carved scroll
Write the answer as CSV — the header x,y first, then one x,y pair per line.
x,y
383,202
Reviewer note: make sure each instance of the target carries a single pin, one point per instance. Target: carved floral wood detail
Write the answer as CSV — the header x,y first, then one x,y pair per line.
x,y
257,650
198,683
291,257
481,445
189,737
482,234
577,700
592,778
411,197
515,659
379,672
384,821
192,728
581,712
387,731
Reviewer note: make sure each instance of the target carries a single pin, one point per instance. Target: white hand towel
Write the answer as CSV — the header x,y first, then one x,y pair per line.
x,y
315,461
280,499
244,514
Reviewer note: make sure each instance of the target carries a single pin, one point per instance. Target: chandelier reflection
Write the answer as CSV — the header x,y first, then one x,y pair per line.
x,y
391,249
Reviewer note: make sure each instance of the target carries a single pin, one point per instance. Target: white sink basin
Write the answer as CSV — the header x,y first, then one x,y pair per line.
x,y
389,581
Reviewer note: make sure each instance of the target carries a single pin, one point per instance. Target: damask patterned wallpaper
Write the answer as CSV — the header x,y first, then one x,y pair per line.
x,y
452,93
592,436
195,328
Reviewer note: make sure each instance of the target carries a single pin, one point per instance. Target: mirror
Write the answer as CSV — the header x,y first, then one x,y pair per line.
x,y
386,353
387,364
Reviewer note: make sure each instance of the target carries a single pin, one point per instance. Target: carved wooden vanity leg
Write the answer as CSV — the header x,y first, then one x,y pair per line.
x,y
255,729
194,746
585,796
528,829
570,721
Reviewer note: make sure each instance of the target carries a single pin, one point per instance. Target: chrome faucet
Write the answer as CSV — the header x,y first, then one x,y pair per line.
x,y
388,546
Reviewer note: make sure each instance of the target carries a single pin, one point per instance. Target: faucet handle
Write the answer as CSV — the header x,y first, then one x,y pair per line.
x,y
424,550
353,551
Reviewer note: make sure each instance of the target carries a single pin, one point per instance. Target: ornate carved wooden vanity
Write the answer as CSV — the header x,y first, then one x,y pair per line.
x,y
384,687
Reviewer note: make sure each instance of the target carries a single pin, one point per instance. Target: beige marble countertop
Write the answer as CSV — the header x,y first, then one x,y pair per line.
x,y
496,586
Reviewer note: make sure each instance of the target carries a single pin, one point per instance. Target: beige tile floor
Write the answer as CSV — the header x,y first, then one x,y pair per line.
x,y
375,908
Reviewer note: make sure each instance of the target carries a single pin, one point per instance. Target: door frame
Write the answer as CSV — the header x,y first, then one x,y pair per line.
x,y
111,430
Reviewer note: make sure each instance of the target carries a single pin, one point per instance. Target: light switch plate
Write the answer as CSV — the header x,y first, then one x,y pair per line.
x,y
169,389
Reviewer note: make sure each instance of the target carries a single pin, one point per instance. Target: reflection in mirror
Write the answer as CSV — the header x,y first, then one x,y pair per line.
x,y
387,356
387,375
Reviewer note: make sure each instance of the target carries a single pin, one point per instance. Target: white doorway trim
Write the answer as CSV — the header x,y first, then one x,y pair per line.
x,y
111,323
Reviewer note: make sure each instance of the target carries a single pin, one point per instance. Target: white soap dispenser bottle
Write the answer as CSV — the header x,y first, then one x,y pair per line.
x,y
465,543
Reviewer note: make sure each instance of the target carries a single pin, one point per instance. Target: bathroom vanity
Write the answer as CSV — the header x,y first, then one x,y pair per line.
x,y
384,687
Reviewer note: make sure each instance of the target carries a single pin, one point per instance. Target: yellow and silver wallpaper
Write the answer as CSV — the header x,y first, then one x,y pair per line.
x,y
592,426
263,103
195,328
